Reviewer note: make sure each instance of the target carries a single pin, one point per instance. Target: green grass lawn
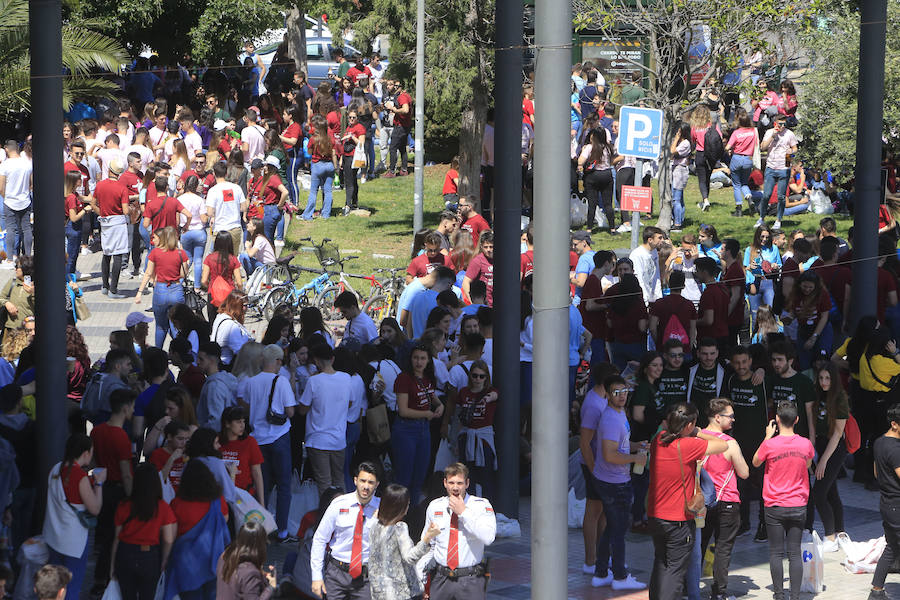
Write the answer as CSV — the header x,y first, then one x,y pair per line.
x,y
389,229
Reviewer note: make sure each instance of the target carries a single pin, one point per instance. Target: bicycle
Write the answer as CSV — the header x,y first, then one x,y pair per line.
x,y
290,294
384,304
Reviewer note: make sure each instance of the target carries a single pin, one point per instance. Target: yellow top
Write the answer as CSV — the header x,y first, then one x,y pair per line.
x,y
877,371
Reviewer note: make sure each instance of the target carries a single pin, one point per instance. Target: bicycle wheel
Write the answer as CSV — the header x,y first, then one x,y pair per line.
x,y
325,303
274,298
377,307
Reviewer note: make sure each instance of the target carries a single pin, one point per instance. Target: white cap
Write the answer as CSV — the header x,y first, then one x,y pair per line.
x,y
271,160
219,125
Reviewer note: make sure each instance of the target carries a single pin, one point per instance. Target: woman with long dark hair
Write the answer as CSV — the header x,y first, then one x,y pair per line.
x,y
673,465
185,324
279,331
221,262
809,303
204,446
742,144
595,161
832,412
321,170
647,412
627,320
761,261
240,573
78,373
145,532
311,323
73,499
239,448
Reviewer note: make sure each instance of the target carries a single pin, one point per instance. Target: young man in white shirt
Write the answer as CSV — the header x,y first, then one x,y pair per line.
x,y
326,404
192,140
15,189
360,326
225,205
253,144
271,399
646,263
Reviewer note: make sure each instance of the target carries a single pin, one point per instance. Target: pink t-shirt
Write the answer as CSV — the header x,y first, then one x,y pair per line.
x,y
786,481
743,140
719,469
699,135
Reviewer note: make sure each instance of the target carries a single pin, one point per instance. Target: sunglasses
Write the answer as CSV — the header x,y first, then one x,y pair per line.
x,y
621,391
676,354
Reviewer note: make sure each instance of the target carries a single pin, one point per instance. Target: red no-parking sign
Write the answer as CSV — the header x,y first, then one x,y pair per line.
x,y
636,199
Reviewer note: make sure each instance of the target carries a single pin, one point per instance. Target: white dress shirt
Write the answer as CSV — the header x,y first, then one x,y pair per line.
x,y
477,528
336,530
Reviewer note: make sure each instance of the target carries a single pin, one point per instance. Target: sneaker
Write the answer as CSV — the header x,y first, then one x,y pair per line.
x,y
345,211
878,594
602,581
83,276
776,225
115,296
388,175
279,242
629,583
738,211
624,228
104,291
761,535
587,569
759,223
705,206
716,185
403,173
830,546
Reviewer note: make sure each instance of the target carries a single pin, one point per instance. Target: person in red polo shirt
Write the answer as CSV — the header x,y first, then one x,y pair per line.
x,y
713,312
111,204
145,531
471,220
429,260
163,210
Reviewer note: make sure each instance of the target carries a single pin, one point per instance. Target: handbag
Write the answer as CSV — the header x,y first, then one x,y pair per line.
x,y
82,311
272,417
359,157
757,159
219,290
377,424
697,503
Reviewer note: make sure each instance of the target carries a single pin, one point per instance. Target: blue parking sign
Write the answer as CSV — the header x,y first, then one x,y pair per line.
x,y
640,132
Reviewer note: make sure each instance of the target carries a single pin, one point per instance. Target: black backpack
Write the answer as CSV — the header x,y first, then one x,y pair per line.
x,y
713,148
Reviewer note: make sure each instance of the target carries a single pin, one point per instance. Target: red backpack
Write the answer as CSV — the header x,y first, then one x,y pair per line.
x,y
674,330
852,436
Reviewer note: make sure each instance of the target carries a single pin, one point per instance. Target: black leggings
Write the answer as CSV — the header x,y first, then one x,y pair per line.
x,y
890,516
598,186
703,172
351,185
785,528
825,491
111,277
869,410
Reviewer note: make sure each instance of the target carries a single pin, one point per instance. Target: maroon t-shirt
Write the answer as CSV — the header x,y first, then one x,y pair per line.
x,y
835,279
403,120
623,326
419,391
593,320
111,194
475,224
479,411
734,278
481,268
674,304
715,297
163,215
886,283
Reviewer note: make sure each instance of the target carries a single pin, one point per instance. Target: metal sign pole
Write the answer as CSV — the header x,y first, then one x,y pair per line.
x,y
635,215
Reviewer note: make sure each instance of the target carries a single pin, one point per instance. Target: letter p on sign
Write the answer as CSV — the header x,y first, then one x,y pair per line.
x,y
641,132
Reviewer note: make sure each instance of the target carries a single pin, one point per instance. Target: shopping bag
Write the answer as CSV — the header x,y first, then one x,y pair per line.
x,y
861,557
247,508
304,498
377,424
168,491
507,527
33,554
82,312
445,456
575,510
813,565
113,592
359,157
577,211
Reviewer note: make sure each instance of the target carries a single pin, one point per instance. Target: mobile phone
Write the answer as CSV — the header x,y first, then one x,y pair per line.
x,y
28,280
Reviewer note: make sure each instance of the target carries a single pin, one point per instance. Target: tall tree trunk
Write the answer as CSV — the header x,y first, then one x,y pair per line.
x,y
471,133
665,174
296,34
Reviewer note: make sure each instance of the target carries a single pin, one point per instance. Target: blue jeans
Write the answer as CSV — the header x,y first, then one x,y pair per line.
x,y
616,498
772,178
353,432
411,453
145,235
194,243
695,565
271,217
622,353
165,295
276,471
73,244
248,262
823,344
76,565
18,231
640,484
741,166
796,210
321,174
765,295
294,159
678,206
598,350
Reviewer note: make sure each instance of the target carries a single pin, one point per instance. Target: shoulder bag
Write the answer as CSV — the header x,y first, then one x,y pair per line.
x,y
87,520
274,418
695,505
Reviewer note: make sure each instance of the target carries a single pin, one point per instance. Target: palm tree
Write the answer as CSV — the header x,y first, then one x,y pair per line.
x,y
84,52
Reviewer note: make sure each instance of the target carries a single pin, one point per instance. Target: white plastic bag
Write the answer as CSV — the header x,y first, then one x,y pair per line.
x,y
359,157
444,457
819,203
247,508
577,211
304,498
507,527
161,589
113,592
168,491
861,557
33,554
575,510
813,566
600,218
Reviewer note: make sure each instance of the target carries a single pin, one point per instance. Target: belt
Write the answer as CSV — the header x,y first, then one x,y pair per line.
x,y
345,567
478,570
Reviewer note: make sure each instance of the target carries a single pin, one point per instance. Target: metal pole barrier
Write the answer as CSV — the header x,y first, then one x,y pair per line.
x,y
550,413
507,233
419,194
45,27
869,115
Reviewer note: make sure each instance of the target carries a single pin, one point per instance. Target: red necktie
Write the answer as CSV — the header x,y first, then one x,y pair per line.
x,y
356,552
453,545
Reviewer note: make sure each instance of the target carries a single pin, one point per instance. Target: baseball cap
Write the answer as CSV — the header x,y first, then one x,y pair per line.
x,y
220,125
257,163
136,317
273,160
581,236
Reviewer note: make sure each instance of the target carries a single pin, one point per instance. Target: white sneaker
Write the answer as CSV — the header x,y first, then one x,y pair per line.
x,y
629,583
759,223
777,225
587,569
705,205
279,242
830,546
624,228
602,581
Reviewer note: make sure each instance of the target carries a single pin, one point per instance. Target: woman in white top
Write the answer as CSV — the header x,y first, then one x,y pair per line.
x,y
228,329
179,163
258,250
194,239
